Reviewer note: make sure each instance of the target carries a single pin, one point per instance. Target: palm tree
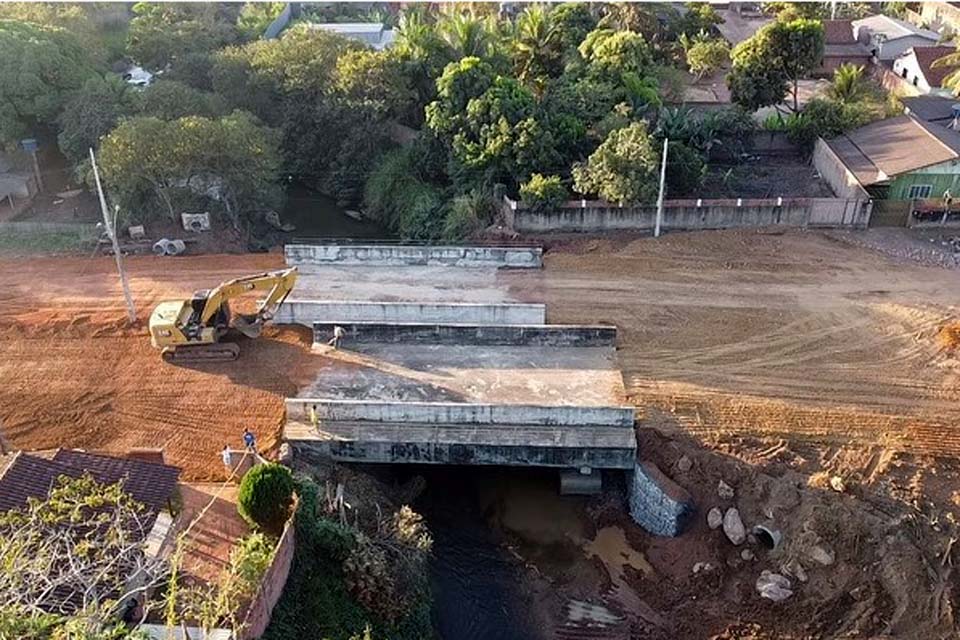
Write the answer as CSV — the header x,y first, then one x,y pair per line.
x,y
952,81
534,42
848,83
466,35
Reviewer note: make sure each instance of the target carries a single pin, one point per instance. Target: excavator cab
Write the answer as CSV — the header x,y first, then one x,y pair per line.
x,y
190,330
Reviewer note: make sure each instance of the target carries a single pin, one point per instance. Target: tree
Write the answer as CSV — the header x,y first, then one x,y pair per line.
x,y
40,67
952,80
92,113
70,17
266,494
699,17
232,162
623,169
535,49
169,100
848,83
466,35
826,119
162,33
572,21
543,192
778,54
611,54
705,56
80,549
374,78
686,169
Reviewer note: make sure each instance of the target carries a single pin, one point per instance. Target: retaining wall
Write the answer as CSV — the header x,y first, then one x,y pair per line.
x,y
689,215
271,585
307,312
413,255
470,334
451,413
657,503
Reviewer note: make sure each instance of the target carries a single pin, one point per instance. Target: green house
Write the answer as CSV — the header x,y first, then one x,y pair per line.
x,y
901,158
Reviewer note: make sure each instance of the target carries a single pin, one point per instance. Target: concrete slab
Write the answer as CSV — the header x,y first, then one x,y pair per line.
x,y
519,335
401,255
412,284
307,312
570,376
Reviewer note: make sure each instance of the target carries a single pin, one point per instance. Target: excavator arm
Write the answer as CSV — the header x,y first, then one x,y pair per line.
x,y
279,284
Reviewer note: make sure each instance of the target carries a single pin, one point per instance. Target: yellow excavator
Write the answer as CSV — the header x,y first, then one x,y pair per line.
x,y
190,330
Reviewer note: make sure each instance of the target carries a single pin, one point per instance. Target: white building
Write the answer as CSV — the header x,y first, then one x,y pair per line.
x,y
916,67
887,38
374,34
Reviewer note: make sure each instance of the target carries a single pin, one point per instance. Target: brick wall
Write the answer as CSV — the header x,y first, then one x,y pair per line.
x,y
271,586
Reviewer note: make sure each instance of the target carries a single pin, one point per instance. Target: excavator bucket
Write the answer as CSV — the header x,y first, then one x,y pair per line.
x,y
250,326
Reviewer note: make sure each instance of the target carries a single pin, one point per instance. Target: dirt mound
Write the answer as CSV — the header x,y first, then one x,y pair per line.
x,y
948,337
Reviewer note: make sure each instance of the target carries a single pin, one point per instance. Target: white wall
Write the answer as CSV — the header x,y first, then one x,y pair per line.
x,y
894,48
914,75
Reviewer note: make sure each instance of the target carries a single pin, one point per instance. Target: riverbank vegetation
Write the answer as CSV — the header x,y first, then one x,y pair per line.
x,y
354,580
417,134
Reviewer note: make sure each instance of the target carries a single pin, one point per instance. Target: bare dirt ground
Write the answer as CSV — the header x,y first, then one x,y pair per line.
x,y
798,355
75,376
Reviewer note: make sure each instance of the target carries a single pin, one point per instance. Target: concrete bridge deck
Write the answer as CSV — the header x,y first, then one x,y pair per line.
x,y
463,433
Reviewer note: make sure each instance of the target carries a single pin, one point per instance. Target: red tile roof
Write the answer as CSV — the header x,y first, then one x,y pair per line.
x,y
838,32
926,56
31,476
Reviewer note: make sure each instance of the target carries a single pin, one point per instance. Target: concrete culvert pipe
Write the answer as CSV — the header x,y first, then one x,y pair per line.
x,y
175,247
160,247
767,536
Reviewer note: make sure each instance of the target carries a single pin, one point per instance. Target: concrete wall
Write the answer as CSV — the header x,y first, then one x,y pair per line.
x,y
657,503
471,334
271,586
307,312
459,413
836,174
470,454
689,215
413,255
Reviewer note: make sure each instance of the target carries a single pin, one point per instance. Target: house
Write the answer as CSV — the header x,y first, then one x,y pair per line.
x,y
934,109
886,38
901,158
840,47
31,475
374,34
915,66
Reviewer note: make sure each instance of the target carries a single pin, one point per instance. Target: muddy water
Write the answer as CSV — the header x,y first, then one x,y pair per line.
x,y
497,532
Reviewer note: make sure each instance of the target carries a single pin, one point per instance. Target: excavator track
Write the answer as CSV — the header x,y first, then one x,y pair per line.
x,y
219,352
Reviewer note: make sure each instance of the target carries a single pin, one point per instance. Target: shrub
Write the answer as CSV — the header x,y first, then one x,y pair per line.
x,y
468,214
266,494
685,170
543,192
706,56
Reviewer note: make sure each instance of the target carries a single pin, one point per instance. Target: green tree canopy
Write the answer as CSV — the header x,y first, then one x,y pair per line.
x,y
40,67
169,100
572,21
152,165
162,32
707,55
773,60
611,54
623,169
93,112
266,495
255,17
377,79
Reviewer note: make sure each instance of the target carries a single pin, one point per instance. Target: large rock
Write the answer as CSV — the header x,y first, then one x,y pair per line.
x,y
773,586
733,526
725,491
657,503
714,518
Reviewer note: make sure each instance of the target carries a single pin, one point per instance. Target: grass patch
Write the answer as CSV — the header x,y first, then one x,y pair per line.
x,y
24,243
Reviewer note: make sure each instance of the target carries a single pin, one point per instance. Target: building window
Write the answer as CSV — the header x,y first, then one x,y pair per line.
x,y
919,191
904,73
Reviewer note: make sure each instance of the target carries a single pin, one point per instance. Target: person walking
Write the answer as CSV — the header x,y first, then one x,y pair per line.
x,y
249,440
313,417
227,456
337,337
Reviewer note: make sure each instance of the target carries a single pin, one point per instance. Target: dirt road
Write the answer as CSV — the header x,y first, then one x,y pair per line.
x,y
721,334
748,333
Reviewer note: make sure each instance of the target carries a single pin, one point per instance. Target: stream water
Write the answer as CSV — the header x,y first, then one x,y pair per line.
x,y
476,583
317,216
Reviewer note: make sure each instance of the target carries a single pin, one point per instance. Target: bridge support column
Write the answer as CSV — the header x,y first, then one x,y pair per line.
x,y
581,482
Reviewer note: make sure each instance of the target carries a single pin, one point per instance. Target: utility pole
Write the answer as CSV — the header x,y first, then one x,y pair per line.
x,y
112,232
833,9
663,180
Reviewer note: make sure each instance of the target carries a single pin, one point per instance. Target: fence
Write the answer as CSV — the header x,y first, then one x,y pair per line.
x,y
587,216
271,585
